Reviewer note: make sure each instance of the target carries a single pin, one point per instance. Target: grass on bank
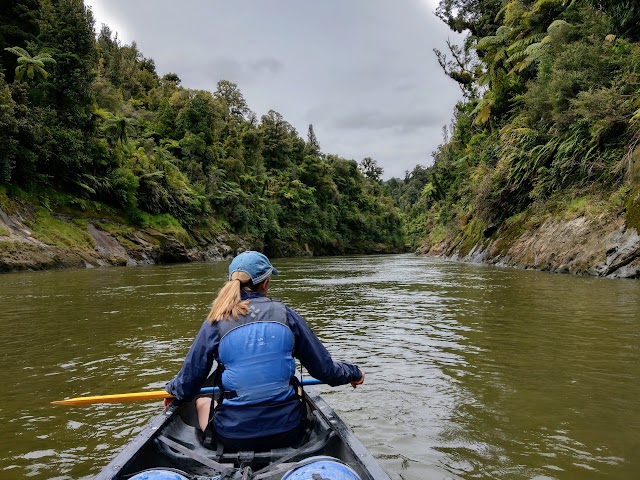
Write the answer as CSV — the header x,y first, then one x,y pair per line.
x,y
80,210
60,233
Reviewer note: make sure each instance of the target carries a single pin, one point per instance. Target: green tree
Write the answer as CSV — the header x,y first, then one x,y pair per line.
x,y
313,146
233,103
117,129
199,116
476,16
67,32
279,139
371,169
8,131
165,123
18,27
171,78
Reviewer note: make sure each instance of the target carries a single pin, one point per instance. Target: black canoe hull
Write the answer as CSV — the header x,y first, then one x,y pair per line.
x,y
171,440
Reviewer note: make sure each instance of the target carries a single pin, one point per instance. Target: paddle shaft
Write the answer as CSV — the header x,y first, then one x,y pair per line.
x,y
307,381
151,395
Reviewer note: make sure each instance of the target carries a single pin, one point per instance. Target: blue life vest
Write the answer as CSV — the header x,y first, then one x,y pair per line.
x,y
257,354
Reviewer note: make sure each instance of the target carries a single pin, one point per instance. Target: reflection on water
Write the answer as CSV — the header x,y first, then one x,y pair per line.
x,y
472,372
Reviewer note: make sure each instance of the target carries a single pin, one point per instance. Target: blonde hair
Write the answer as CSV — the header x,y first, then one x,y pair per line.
x,y
227,304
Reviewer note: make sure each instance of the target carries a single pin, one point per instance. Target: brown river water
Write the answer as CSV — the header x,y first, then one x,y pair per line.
x,y
472,372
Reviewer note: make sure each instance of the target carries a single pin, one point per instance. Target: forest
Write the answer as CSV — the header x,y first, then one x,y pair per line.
x,y
89,128
549,124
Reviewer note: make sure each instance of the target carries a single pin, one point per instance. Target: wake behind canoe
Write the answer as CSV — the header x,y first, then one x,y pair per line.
x,y
170,442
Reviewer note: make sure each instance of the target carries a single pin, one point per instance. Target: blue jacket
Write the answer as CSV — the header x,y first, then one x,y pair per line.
x,y
258,421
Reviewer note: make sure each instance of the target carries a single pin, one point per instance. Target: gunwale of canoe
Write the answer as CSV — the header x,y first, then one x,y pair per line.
x,y
150,449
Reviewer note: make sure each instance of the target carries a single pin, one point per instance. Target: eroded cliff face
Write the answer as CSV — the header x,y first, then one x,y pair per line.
x,y
66,242
600,246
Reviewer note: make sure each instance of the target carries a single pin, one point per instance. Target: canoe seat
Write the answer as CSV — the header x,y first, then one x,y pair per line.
x,y
184,449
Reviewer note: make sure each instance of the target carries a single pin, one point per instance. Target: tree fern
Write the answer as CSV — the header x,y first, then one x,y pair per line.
x,y
30,65
557,26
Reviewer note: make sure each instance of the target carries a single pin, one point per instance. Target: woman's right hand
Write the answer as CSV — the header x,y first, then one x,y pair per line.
x,y
167,402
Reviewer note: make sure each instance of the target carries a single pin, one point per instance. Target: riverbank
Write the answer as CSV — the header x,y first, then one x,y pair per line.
x,y
59,232
42,235
587,236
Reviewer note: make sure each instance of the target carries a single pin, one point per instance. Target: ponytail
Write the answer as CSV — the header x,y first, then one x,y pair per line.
x,y
227,304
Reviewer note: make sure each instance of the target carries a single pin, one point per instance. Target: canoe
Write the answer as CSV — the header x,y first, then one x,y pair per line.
x,y
170,447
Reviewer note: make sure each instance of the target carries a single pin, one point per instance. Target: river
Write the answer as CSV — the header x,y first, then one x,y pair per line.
x,y
472,372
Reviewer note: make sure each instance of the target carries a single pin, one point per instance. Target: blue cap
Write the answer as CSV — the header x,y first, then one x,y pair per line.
x,y
254,264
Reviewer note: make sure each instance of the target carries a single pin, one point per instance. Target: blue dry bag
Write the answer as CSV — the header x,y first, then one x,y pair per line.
x,y
326,468
159,474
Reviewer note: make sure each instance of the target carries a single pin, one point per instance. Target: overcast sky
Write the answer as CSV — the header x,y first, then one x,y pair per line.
x,y
363,72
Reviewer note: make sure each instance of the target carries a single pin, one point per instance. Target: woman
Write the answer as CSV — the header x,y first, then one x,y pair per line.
x,y
254,341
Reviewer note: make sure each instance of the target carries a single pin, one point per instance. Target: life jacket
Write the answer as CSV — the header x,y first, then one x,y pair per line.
x,y
256,355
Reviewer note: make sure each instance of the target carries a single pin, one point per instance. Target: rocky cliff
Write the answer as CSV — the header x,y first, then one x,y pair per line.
x,y
601,244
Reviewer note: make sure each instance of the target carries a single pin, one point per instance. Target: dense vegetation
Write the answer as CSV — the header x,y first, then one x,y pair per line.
x,y
550,119
550,122
87,122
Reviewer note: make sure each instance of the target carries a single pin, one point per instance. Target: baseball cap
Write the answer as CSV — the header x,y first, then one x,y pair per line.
x,y
254,264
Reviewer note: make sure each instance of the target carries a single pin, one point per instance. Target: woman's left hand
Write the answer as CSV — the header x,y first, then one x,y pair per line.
x,y
355,383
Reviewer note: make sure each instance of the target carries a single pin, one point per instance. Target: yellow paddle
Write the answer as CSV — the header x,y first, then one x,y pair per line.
x,y
151,395
116,398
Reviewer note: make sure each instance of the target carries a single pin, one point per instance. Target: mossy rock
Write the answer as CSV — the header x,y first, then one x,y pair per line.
x,y
25,256
512,229
472,235
126,236
634,167
632,210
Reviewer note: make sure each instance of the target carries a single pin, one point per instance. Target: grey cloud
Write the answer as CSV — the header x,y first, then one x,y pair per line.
x,y
226,68
405,87
270,65
246,72
401,122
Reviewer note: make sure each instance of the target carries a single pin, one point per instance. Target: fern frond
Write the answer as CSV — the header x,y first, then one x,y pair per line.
x,y
45,58
487,42
516,57
483,115
523,65
525,42
534,50
19,51
85,187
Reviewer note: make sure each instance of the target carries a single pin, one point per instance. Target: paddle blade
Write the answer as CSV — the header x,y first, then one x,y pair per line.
x,y
116,398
